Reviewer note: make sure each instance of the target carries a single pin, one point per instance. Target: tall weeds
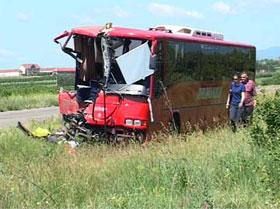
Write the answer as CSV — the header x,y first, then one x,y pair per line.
x,y
265,135
213,170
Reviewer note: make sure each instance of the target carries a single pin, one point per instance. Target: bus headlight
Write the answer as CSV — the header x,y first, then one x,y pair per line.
x,y
137,123
128,122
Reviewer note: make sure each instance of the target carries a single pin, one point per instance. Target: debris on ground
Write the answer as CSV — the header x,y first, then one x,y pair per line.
x,y
44,134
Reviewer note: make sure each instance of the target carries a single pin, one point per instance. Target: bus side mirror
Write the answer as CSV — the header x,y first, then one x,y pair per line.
x,y
153,62
67,50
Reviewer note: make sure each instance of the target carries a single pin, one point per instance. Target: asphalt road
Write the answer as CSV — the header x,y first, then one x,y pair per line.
x,y
10,118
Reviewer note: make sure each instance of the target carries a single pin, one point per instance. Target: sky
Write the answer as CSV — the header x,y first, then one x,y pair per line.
x,y
28,26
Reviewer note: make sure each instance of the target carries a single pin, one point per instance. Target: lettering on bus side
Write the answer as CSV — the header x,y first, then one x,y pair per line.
x,y
209,93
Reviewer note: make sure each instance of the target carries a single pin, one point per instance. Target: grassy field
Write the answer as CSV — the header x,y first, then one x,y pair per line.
x,y
268,78
27,92
218,169
28,101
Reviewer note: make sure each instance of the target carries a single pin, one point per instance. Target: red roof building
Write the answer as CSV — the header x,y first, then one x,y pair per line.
x,y
29,69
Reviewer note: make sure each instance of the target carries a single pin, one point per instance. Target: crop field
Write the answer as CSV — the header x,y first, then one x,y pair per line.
x,y
28,92
217,169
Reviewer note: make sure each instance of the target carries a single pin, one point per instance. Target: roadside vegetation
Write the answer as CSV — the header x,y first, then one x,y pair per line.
x,y
217,169
27,101
265,134
268,72
27,92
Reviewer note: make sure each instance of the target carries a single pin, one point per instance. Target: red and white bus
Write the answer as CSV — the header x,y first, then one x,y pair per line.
x,y
130,82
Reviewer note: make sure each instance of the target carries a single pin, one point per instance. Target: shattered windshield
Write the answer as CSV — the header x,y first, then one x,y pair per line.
x,y
130,61
135,64
126,61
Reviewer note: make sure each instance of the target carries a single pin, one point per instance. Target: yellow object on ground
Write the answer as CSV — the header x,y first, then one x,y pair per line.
x,y
41,132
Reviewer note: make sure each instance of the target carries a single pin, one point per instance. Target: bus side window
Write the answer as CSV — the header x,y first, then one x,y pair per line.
x,y
159,70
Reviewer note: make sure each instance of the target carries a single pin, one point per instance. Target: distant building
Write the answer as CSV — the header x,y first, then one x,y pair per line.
x,y
29,69
9,73
34,69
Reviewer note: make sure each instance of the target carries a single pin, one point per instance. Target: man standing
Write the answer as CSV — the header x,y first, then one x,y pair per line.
x,y
249,102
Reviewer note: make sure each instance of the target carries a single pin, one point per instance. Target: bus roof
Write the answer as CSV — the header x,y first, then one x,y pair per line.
x,y
93,31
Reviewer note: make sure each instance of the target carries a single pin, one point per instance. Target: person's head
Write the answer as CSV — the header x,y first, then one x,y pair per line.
x,y
236,78
244,77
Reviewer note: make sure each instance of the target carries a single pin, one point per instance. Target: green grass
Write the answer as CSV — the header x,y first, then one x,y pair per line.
x,y
19,102
215,170
26,79
27,89
268,79
28,92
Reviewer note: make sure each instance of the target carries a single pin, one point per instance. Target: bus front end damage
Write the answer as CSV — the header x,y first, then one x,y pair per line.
x,y
111,100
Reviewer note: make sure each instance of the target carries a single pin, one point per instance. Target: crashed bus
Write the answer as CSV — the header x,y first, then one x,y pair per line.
x,y
130,83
